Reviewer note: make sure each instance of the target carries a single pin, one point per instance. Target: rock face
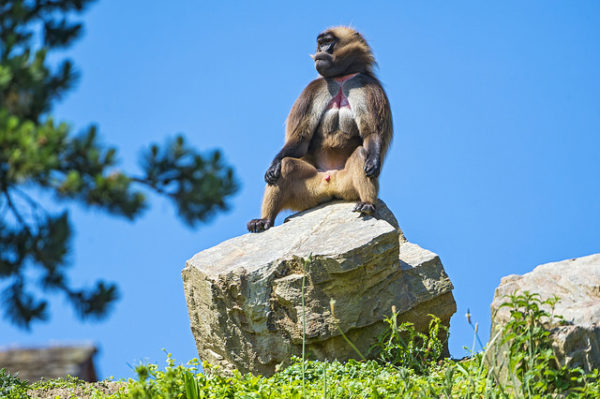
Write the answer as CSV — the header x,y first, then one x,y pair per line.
x,y
577,283
244,295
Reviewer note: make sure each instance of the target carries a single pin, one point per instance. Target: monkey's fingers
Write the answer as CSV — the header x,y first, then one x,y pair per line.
x,y
273,173
271,178
258,225
372,168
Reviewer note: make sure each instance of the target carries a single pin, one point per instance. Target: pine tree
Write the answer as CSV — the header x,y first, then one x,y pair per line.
x,y
41,155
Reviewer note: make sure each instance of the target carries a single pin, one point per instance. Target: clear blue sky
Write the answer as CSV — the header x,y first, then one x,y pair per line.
x,y
495,163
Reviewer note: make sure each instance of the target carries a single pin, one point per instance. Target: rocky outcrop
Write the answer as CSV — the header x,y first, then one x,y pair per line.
x,y
576,282
244,295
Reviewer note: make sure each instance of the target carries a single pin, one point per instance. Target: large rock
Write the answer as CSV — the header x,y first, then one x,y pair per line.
x,y
244,295
577,283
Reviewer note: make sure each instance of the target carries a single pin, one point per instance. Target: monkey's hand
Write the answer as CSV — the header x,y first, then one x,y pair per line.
x,y
274,172
372,167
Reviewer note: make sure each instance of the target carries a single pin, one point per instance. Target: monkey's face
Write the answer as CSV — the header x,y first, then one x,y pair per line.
x,y
341,51
326,62
324,59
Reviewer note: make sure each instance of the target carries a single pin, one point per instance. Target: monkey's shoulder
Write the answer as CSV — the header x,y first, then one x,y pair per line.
x,y
367,82
305,101
314,86
369,90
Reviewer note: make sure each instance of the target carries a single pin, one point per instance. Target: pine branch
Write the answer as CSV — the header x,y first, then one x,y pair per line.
x,y
16,212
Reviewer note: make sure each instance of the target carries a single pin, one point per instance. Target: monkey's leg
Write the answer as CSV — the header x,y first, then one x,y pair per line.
x,y
352,183
298,188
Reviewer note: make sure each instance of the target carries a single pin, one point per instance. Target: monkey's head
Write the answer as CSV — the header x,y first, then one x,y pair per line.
x,y
342,51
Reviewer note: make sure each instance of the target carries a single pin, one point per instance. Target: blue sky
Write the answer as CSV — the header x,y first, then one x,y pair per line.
x,y
495,163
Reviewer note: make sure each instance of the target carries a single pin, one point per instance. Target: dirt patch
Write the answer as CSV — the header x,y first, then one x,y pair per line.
x,y
83,391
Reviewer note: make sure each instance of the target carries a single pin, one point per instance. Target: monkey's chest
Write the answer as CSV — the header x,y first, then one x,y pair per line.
x,y
337,124
337,131
338,118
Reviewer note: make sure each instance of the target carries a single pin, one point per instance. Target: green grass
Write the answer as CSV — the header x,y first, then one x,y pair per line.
x,y
407,366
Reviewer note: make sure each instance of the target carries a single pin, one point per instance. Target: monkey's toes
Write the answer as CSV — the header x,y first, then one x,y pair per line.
x,y
258,225
365,208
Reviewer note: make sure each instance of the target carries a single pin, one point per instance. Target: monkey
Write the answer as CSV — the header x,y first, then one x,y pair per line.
x,y
337,133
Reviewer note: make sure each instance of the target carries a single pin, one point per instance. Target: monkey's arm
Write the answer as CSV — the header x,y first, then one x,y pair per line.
x,y
301,123
375,126
373,144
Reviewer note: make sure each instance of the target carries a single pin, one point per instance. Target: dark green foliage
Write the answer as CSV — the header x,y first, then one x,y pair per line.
x,y
198,185
39,155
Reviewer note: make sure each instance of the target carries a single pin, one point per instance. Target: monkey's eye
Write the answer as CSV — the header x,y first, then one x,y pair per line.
x,y
325,40
326,43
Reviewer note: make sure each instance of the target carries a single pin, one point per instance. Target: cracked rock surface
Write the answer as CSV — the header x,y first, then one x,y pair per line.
x,y
244,295
577,284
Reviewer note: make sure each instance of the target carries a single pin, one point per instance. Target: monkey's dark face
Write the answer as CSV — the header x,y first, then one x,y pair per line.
x,y
324,55
325,58
341,51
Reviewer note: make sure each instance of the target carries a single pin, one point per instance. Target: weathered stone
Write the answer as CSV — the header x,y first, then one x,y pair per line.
x,y
577,283
244,295
56,361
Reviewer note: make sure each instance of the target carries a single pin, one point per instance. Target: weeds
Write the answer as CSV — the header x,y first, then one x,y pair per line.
x,y
532,365
11,386
408,366
402,345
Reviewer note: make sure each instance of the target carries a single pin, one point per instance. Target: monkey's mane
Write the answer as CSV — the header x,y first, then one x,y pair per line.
x,y
354,45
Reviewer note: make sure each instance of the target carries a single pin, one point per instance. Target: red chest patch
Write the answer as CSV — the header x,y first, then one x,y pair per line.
x,y
340,100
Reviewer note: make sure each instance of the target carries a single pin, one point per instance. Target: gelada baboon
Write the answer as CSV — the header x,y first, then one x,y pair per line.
x,y
337,133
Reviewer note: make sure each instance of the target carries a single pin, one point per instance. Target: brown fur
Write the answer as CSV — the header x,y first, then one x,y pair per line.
x,y
332,152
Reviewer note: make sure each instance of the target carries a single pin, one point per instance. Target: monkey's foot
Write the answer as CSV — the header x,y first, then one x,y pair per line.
x,y
365,208
258,225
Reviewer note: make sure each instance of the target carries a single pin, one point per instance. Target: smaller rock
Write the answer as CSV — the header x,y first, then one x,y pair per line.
x,y
577,283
